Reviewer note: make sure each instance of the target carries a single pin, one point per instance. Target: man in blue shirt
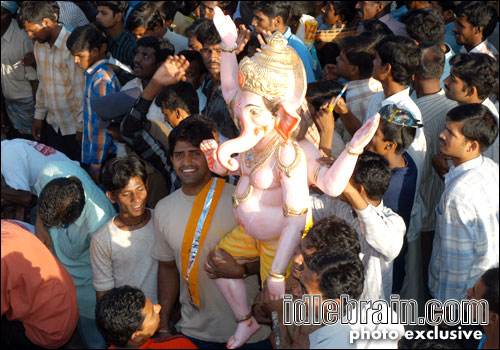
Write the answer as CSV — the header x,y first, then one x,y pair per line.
x,y
271,16
71,209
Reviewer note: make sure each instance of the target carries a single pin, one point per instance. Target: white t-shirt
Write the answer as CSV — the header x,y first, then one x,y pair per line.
x,y
23,160
121,258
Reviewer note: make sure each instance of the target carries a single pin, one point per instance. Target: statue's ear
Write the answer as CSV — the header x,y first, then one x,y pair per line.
x,y
288,119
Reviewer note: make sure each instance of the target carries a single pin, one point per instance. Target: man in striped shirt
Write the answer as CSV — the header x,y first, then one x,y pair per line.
x,y
88,46
466,240
60,93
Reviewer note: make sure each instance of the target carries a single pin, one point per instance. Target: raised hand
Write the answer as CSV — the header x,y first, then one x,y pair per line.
x,y
209,149
363,136
226,28
243,38
171,71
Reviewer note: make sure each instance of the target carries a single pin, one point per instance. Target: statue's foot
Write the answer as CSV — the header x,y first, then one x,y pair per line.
x,y
244,331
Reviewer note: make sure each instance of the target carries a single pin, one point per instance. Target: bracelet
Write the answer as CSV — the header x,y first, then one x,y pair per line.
x,y
276,275
352,151
228,49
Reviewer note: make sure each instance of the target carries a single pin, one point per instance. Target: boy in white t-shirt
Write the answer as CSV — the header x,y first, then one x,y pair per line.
x,y
120,249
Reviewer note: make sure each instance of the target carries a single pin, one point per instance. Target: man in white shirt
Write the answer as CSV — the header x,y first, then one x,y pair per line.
x,y
474,23
467,234
473,77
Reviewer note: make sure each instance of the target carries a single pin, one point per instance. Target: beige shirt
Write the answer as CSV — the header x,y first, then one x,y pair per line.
x,y
15,76
215,321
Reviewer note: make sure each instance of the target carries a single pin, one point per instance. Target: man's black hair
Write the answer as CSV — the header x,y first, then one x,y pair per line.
x,y
115,6
35,11
479,14
338,272
163,48
327,54
321,91
449,5
425,25
431,61
273,9
375,27
300,8
118,314
181,95
193,28
193,56
117,172
479,124
374,172
490,280
61,201
403,136
167,9
85,38
431,344
402,54
476,69
345,8
193,129
332,231
360,51
207,34
145,15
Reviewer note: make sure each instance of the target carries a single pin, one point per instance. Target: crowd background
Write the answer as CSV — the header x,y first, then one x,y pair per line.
x,y
98,186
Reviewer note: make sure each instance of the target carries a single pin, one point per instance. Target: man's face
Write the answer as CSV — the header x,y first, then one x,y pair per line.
x,y
132,198
344,67
194,44
194,75
298,259
464,31
367,9
189,163
207,9
476,293
451,140
310,285
379,69
329,15
377,143
455,88
211,58
141,32
145,64
261,22
85,59
151,315
38,32
106,18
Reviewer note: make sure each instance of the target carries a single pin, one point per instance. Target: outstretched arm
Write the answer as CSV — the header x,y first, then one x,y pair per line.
x,y
229,64
333,180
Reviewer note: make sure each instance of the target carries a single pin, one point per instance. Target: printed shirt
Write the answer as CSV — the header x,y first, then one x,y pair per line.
x,y
97,143
485,47
71,15
59,98
466,237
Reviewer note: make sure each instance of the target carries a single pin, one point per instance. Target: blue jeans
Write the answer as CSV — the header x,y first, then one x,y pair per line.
x,y
202,344
91,337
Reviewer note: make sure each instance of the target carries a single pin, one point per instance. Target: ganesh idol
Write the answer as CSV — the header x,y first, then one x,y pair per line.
x,y
271,200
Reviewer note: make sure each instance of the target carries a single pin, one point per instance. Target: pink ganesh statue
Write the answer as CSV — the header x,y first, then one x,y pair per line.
x,y
271,200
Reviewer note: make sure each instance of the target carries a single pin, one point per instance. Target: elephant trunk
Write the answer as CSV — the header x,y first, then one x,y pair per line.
x,y
241,144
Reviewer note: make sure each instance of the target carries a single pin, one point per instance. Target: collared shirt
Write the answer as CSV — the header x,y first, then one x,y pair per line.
x,y
15,76
71,15
434,108
124,49
154,112
72,244
447,66
304,54
357,99
416,150
484,47
97,143
466,238
380,232
59,98
397,27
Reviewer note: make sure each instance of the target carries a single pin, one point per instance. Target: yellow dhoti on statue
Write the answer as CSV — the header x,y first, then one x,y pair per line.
x,y
245,248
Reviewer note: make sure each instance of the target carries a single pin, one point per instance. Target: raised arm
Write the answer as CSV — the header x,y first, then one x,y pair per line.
x,y
229,64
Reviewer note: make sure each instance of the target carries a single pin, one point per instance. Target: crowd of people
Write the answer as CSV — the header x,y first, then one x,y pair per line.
x,y
105,105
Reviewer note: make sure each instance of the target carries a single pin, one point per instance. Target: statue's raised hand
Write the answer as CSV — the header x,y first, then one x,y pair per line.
x,y
226,28
364,134
209,149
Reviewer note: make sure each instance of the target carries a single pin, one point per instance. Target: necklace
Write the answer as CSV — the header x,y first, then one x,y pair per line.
x,y
137,224
253,157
